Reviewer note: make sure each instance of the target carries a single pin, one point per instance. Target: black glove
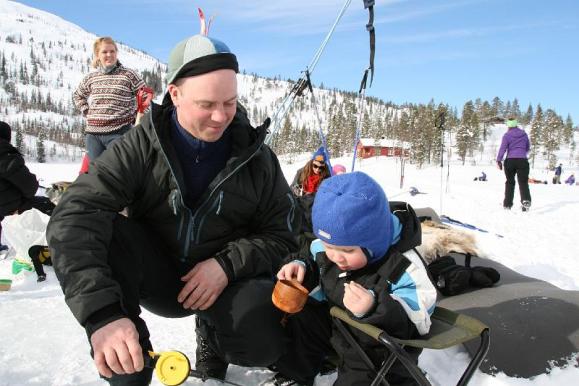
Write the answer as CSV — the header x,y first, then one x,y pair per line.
x,y
500,165
484,277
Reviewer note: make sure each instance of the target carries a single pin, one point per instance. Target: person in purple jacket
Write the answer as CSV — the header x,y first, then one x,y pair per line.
x,y
516,144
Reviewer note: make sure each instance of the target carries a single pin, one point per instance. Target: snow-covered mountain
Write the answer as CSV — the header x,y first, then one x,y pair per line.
x,y
43,58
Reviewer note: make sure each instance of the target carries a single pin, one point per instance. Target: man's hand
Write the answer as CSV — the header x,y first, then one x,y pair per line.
x,y
357,299
205,282
500,165
117,349
292,271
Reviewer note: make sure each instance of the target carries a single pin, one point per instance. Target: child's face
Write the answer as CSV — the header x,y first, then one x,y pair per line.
x,y
346,258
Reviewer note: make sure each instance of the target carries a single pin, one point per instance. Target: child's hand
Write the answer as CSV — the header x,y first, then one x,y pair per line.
x,y
292,271
357,299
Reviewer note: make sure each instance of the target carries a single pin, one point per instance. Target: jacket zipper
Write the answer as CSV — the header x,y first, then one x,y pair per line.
x,y
185,212
197,230
291,213
216,204
192,217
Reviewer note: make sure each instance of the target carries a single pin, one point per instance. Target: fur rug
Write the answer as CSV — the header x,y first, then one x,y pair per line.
x,y
55,191
440,239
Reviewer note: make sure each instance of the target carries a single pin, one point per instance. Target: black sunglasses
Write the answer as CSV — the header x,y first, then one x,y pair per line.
x,y
318,167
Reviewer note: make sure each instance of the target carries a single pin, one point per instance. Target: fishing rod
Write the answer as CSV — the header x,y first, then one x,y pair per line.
x,y
300,86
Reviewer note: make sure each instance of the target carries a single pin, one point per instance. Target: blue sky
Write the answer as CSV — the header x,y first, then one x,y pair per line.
x,y
449,50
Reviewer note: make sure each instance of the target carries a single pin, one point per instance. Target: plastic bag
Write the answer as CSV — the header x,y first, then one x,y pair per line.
x,y
24,230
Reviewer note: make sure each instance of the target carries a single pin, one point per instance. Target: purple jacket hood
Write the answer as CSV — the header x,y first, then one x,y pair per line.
x,y
515,143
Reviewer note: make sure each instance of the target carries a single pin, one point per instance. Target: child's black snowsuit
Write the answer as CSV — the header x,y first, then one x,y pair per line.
x,y
388,313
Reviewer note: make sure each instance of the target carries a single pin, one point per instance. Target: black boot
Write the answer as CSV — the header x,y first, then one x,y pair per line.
x,y
207,362
281,380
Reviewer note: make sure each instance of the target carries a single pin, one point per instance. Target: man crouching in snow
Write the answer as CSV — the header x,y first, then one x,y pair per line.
x,y
209,218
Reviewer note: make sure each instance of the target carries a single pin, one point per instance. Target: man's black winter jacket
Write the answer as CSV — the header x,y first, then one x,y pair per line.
x,y
246,218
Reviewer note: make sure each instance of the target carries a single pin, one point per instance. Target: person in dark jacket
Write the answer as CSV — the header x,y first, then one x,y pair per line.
x,y
210,217
482,177
365,263
17,184
516,145
558,172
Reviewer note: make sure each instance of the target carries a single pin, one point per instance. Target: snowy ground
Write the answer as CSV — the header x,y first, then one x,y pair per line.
x,y
41,343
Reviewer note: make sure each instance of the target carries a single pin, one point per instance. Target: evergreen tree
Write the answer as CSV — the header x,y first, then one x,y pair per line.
x,y
551,135
425,134
507,110
334,139
40,150
527,118
467,134
485,114
536,134
567,134
496,107
19,139
441,125
515,109
3,72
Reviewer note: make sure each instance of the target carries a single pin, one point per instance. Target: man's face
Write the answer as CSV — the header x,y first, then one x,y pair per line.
x,y
206,103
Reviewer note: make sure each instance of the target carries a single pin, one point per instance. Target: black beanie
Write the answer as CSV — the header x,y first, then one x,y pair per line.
x,y
5,131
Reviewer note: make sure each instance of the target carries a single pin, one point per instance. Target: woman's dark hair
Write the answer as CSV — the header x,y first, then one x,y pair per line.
x,y
308,170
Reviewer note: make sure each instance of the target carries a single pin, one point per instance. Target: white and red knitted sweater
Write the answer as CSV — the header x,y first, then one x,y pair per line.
x,y
107,100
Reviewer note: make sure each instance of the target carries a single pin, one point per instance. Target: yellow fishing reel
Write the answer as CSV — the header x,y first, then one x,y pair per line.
x,y
172,368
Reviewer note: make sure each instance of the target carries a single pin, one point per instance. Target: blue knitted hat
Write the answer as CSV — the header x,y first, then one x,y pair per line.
x,y
319,155
352,210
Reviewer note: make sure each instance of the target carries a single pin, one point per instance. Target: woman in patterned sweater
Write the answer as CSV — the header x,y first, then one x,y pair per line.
x,y
107,97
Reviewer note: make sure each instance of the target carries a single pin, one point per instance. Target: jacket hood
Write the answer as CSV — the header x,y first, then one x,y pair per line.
x,y
411,235
516,133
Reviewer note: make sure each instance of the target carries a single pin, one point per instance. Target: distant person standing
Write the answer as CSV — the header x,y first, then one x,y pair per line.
x,y
107,98
558,171
516,145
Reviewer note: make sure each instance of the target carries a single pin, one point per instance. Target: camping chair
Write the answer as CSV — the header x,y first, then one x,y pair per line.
x,y
448,329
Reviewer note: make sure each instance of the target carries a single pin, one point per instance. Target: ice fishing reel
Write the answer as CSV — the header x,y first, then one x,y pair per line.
x,y
172,368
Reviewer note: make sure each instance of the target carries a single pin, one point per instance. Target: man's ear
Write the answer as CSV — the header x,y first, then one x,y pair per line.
x,y
174,93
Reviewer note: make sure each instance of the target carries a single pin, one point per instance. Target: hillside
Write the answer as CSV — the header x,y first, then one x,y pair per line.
x,y
43,58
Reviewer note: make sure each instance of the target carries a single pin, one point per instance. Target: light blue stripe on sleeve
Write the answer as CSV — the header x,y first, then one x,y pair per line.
x,y
405,288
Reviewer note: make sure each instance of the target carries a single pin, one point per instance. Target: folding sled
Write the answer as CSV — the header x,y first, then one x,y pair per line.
x,y
448,329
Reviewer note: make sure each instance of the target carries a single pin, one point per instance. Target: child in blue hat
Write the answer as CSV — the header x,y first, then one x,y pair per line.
x,y
365,263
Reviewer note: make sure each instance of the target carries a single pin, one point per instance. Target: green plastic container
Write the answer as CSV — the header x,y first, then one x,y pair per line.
x,y
19,266
5,284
